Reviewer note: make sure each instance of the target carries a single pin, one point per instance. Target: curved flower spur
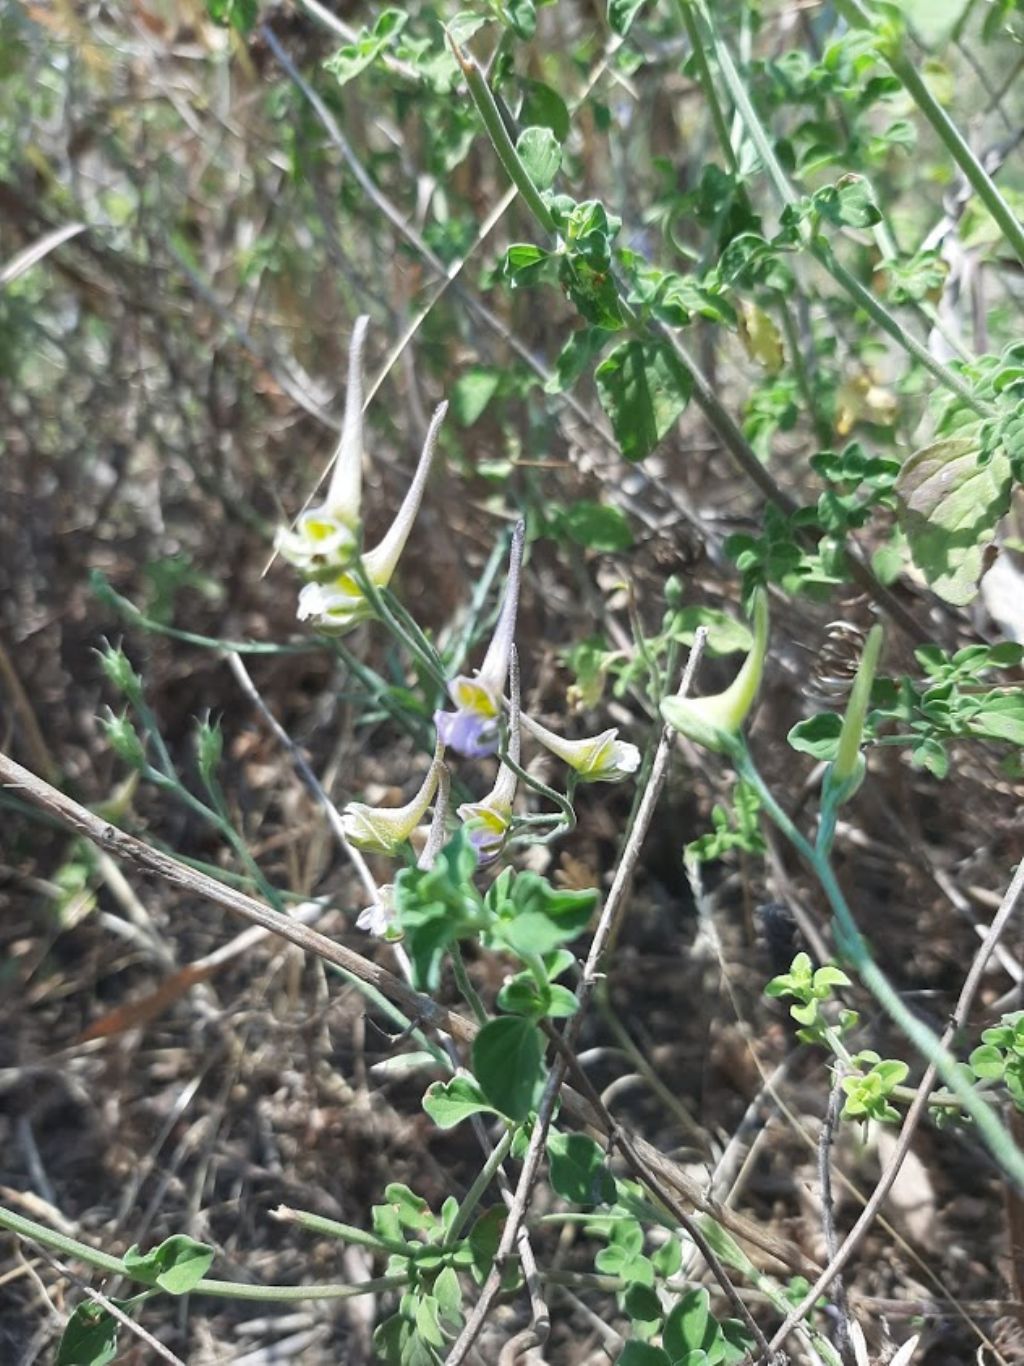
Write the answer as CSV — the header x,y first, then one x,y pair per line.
x,y
472,729
324,543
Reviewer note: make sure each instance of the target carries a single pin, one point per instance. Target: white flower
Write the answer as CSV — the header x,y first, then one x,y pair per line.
x,y
325,538
600,758
339,603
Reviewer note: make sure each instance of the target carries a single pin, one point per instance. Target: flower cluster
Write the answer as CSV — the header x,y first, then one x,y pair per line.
x,y
324,543
342,581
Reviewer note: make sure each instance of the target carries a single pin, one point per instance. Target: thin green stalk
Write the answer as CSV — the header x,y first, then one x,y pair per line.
x,y
476,1191
346,1233
468,991
102,1261
132,614
857,953
907,73
425,652
221,823
707,82
981,182
822,429
820,249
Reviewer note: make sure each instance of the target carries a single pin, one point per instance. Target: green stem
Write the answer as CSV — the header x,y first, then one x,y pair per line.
x,y
909,76
482,97
821,427
382,609
346,1233
707,82
468,991
476,1191
981,182
132,614
102,1261
817,246
857,953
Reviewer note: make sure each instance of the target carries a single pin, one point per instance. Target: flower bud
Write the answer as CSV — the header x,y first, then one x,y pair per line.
x,y
123,739
118,669
715,722
209,747
384,829
847,770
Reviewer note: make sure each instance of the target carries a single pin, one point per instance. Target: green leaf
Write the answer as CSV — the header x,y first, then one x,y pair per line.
x,y
532,932
427,1324
643,387
818,735
543,107
727,1248
472,392
448,1293
522,264
353,58
850,203
175,1266
237,14
669,1257
1001,717
522,18
541,155
690,1327
948,506
642,1305
578,1171
621,14
596,526
450,1102
582,347
643,1354
412,1210
508,1061
90,1338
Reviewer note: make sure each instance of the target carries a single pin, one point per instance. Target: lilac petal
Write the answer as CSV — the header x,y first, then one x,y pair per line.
x,y
468,733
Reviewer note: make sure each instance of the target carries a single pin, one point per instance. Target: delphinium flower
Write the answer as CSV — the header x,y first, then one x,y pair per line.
x,y
384,829
325,537
489,820
379,919
472,729
600,758
341,602
716,721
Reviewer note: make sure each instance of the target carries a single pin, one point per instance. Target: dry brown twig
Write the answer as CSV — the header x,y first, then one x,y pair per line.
x,y
420,1009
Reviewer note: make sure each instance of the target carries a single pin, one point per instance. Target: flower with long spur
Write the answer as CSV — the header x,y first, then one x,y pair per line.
x,y
325,538
379,919
600,758
472,728
716,721
489,821
344,600
384,829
